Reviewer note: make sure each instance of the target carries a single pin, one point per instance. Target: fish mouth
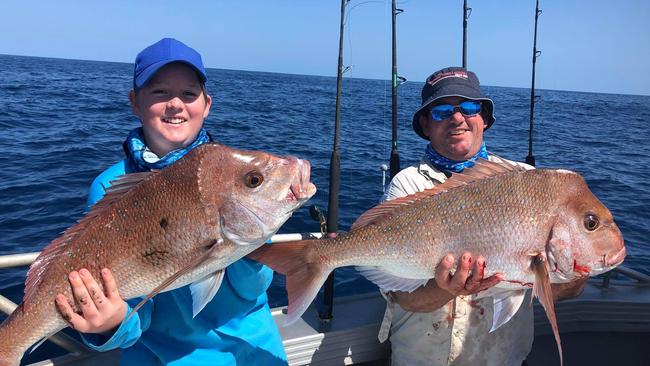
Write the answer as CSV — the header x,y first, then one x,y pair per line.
x,y
617,259
607,263
301,189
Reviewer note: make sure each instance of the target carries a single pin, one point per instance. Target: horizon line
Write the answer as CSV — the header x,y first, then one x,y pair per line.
x,y
330,76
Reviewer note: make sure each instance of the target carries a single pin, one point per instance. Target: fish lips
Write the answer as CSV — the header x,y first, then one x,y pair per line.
x,y
618,258
611,262
608,263
301,188
300,193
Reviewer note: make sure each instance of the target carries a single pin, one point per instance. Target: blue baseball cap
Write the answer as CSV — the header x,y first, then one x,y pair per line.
x,y
161,53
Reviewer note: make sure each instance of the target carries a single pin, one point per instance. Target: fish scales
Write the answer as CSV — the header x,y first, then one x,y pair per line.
x,y
486,218
181,224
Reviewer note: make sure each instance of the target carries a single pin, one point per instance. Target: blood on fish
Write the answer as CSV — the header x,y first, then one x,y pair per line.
x,y
580,268
527,284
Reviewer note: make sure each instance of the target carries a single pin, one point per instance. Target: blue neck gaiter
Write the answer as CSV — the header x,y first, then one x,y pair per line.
x,y
447,165
141,159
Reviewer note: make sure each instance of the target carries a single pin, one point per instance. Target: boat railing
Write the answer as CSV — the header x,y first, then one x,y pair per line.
x,y
639,277
74,347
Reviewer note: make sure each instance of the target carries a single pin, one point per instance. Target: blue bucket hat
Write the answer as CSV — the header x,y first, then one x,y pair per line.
x,y
161,53
453,82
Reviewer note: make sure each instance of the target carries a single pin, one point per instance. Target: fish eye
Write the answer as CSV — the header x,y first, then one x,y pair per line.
x,y
591,222
253,179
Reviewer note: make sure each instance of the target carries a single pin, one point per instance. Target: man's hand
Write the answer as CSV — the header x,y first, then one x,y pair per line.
x,y
462,282
101,312
444,287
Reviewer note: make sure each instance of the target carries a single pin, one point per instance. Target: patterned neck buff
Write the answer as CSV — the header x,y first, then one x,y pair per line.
x,y
447,165
141,159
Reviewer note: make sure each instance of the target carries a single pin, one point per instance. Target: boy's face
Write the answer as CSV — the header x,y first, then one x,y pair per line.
x,y
458,137
171,107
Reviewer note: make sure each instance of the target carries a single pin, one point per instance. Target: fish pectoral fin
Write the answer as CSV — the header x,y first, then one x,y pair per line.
x,y
390,282
542,290
506,305
204,290
167,282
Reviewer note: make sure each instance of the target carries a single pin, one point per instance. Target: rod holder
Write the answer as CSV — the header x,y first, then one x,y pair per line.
x,y
384,169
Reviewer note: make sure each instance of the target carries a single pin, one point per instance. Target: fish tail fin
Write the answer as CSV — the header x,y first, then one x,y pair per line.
x,y
304,270
302,287
542,290
282,257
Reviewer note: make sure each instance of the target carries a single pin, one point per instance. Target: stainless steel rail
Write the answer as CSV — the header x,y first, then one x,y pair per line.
x,y
635,275
18,260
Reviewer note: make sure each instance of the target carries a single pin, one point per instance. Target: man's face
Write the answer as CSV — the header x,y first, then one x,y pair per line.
x,y
458,137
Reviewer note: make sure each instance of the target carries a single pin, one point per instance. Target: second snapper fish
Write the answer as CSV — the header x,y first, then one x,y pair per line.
x,y
162,230
536,227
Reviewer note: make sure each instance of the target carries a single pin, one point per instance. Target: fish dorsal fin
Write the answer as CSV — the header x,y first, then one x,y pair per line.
x,y
118,188
482,169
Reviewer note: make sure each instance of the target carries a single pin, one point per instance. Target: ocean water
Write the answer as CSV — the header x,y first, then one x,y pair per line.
x,y
64,122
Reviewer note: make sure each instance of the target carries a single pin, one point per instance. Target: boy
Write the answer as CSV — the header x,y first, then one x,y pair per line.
x,y
236,327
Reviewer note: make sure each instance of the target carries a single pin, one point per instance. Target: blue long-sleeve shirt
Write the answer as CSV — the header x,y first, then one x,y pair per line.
x,y
236,327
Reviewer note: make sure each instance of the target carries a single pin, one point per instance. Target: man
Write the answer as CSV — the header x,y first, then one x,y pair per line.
x,y
440,323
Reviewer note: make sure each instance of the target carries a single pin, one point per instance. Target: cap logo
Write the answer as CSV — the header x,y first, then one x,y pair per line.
x,y
449,74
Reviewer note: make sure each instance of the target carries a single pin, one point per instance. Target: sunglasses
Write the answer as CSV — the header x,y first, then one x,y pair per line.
x,y
443,111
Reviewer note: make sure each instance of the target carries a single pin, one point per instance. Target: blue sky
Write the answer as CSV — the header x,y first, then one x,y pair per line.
x,y
587,45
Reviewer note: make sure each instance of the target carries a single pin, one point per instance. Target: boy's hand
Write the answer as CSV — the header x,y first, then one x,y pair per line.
x,y
101,312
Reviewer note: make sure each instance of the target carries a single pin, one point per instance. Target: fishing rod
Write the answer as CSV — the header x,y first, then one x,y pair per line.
x,y
530,159
466,12
335,172
396,81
